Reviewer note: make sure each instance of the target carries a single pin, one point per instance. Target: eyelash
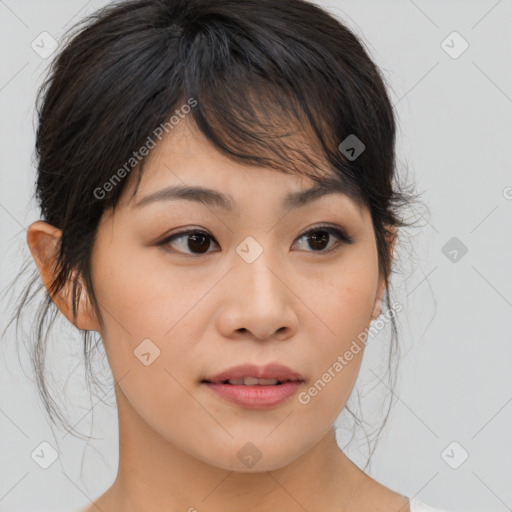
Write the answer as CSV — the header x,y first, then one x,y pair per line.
x,y
343,238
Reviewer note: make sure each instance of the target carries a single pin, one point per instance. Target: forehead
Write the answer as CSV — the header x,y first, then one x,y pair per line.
x,y
186,165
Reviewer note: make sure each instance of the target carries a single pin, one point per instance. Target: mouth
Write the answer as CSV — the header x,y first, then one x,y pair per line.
x,y
251,375
254,387
252,381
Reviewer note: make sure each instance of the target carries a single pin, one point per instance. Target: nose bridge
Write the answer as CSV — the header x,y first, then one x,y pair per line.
x,y
255,270
259,302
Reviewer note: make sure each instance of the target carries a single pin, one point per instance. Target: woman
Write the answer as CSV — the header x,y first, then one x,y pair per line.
x,y
219,203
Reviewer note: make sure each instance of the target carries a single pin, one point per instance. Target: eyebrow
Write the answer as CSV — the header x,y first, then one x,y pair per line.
x,y
219,200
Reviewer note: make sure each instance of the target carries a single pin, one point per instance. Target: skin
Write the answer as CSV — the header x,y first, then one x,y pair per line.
x,y
294,304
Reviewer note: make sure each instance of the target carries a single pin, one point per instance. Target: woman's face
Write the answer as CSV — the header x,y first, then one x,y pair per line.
x,y
255,289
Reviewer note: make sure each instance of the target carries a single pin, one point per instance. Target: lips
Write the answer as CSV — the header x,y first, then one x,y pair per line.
x,y
251,375
255,387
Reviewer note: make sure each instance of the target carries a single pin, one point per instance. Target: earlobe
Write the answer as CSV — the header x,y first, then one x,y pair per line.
x,y
391,235
43,240
377,310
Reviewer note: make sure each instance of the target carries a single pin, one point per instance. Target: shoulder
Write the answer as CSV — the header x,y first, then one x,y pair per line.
x,y
419,506
89,508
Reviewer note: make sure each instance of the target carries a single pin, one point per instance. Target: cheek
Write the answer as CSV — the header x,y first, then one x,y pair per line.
x,y
145,299
342,298
138,298
342,305
146,331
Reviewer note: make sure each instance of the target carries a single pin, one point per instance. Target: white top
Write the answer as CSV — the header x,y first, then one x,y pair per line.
x,y
415,506
418,506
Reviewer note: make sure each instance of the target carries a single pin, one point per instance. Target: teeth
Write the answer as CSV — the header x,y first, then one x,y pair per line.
x,y
252,381
236,382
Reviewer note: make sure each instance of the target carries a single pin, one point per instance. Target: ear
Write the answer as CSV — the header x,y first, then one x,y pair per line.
x,y
43,240
391,235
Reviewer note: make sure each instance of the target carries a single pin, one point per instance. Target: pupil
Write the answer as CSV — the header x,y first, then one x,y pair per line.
x,y
324,237
197,239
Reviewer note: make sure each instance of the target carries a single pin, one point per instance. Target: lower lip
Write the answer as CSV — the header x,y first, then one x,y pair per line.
x,y
255,397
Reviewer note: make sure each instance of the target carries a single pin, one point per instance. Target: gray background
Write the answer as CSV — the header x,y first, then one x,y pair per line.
x,y
455,118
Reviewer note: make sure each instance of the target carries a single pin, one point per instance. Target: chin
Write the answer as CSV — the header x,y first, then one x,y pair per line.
x,y
249,457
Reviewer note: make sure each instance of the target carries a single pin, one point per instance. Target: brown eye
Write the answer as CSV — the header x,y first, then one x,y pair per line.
x,y
191,242
322,239
318,238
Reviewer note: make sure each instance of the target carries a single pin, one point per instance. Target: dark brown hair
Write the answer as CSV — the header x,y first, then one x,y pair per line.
x,y
256,68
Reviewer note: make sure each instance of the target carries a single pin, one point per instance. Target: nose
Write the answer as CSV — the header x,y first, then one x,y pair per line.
x,y
259,302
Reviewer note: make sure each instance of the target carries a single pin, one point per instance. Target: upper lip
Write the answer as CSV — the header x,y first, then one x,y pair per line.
x,y
270,371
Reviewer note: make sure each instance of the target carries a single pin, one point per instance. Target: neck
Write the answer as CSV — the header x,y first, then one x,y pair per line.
x,y
154,474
